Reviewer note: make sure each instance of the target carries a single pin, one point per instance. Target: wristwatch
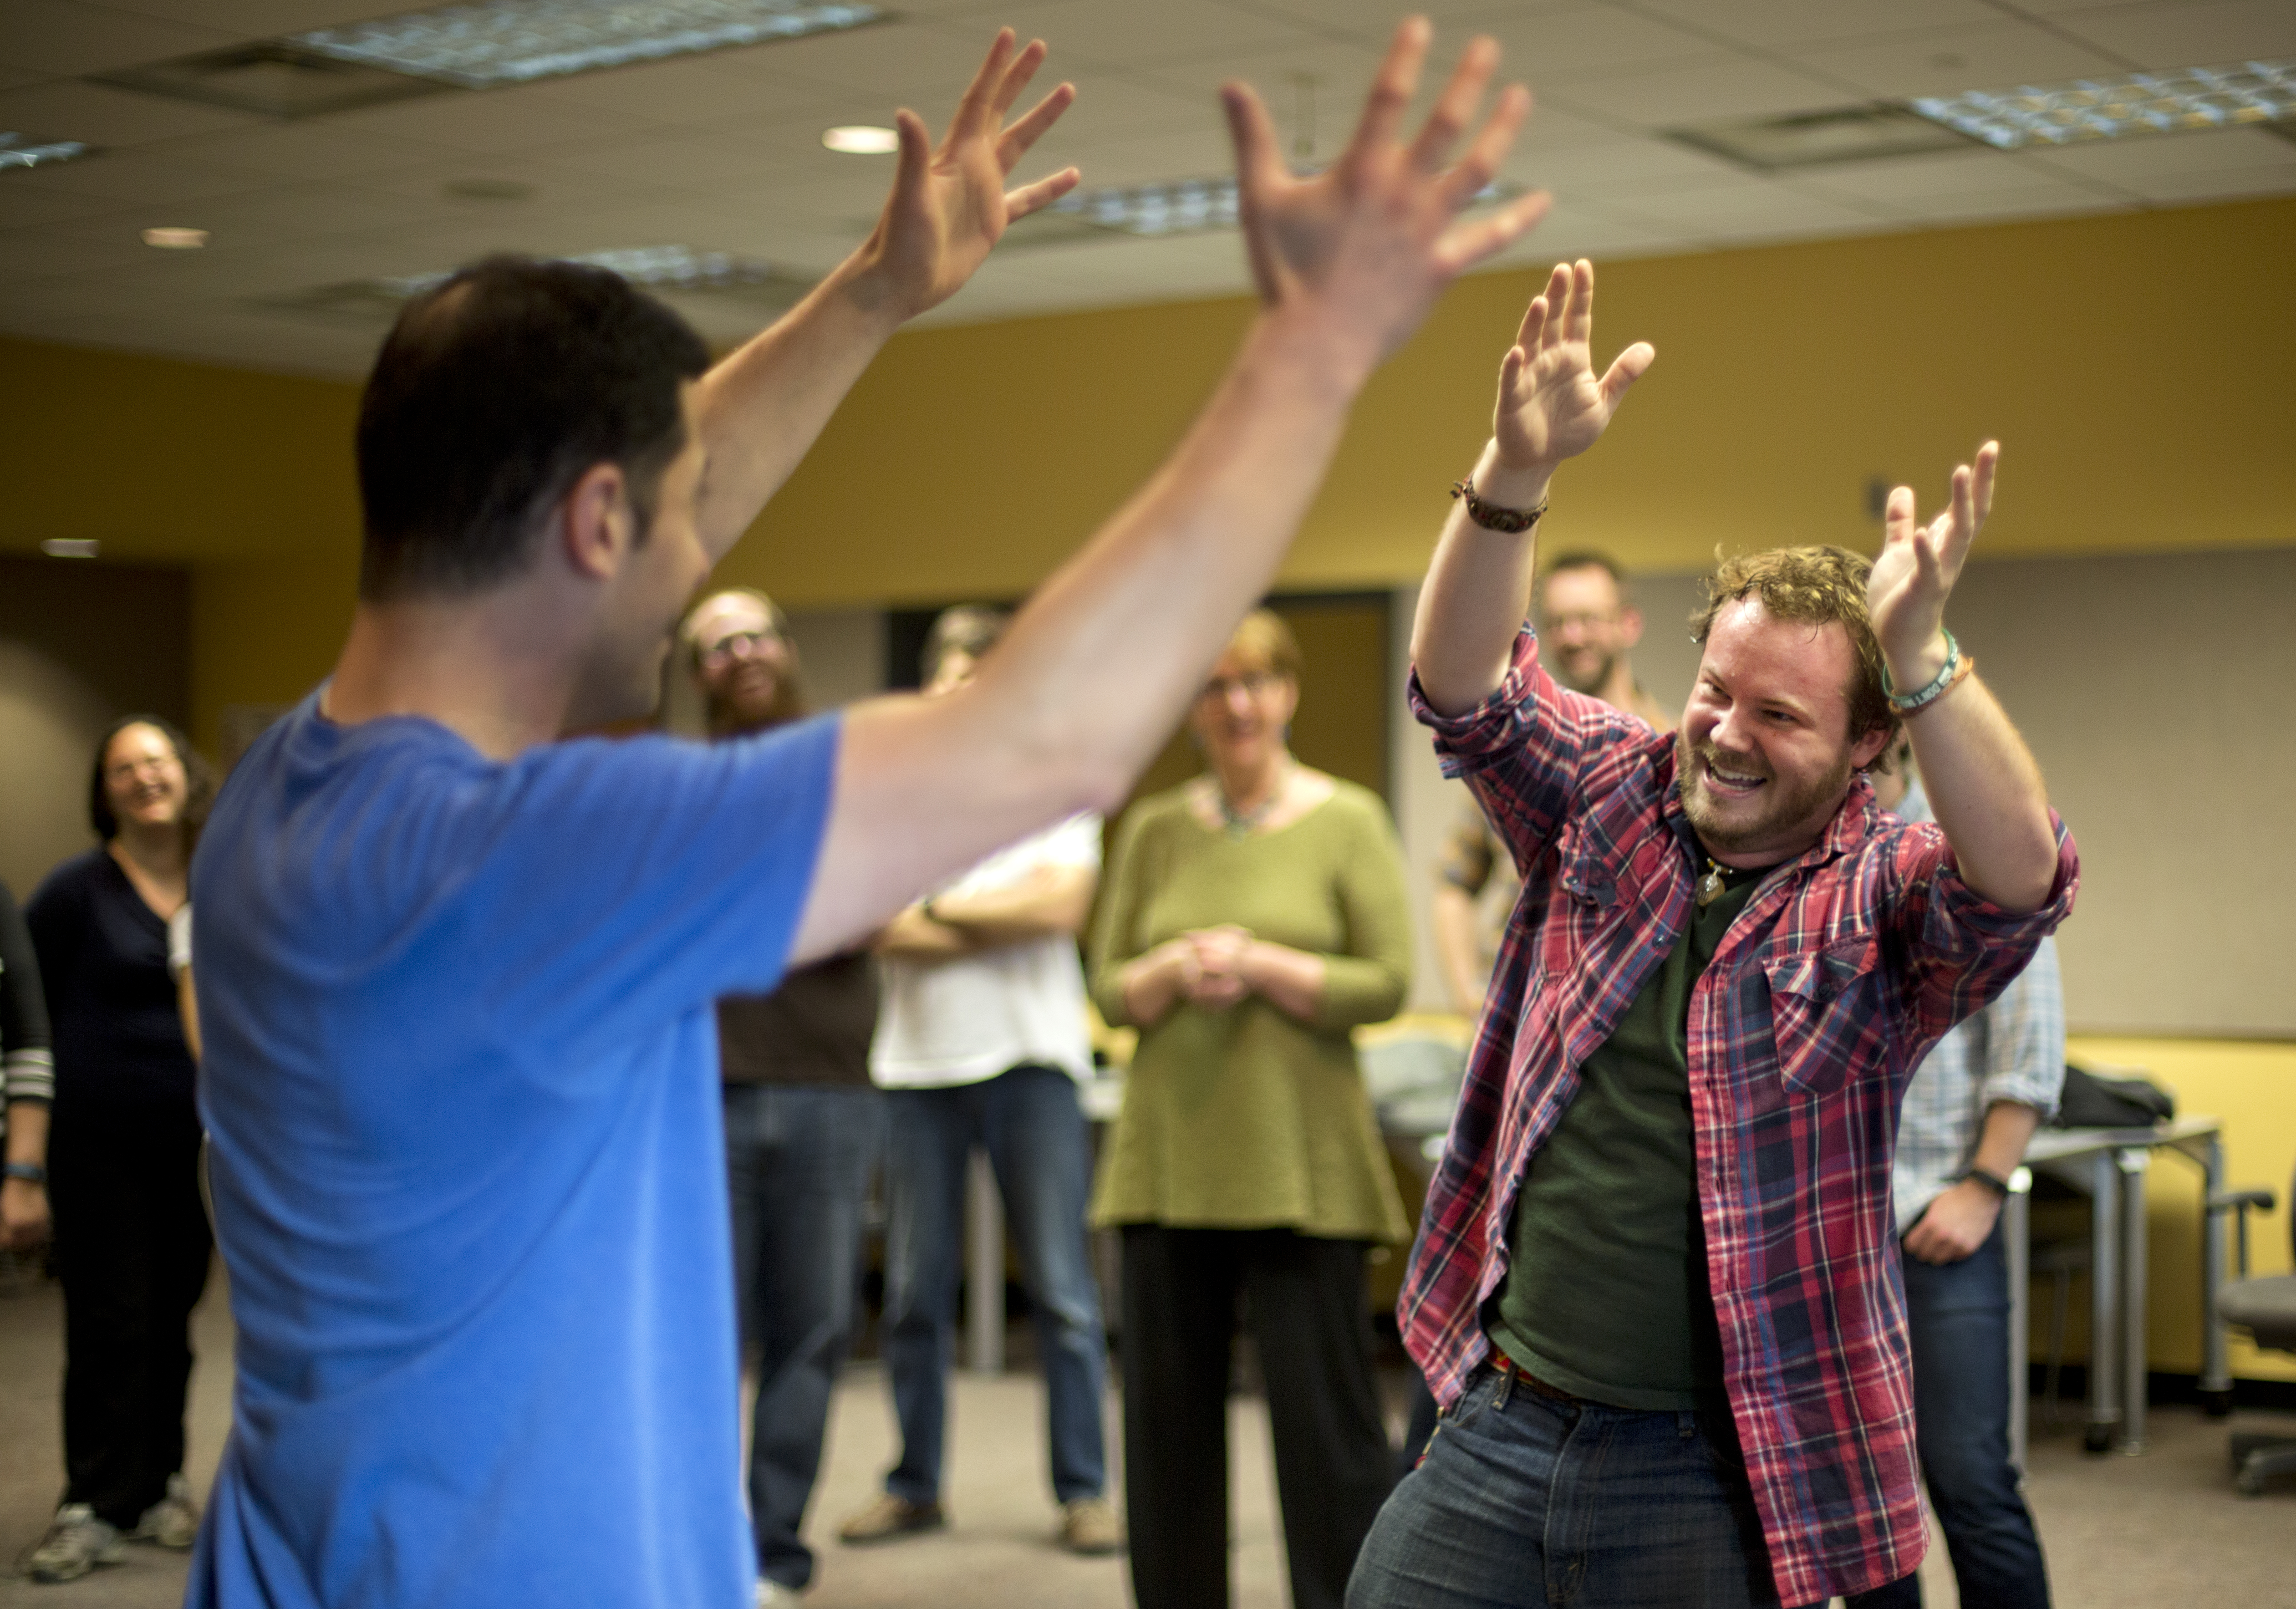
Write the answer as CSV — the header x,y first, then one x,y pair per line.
x,y
1992,1181
30,1172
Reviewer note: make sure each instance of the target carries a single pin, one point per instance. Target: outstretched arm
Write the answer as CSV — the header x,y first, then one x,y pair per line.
x,y
1983,785
1085,685
762,408
1551,406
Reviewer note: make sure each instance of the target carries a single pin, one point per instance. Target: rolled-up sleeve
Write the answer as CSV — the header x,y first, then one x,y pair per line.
x,y
2025,1042
1963,950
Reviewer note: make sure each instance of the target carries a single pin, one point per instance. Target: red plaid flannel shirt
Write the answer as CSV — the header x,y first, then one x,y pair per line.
x,y
1845,966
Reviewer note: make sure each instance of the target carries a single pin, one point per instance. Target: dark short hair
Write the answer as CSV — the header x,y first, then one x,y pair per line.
x,y
495,391
1588,558
1816,586
971,630
199,779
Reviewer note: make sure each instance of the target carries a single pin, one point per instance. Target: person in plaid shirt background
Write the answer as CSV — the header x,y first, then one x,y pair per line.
x,y
1657,1285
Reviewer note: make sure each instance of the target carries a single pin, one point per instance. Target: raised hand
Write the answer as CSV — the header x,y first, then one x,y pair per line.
x,y
949,204
1919,564
1373,240
1551,406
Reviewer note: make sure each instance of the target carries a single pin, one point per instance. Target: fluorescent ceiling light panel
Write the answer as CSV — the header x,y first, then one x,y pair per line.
x,y
861,139
172,237
69,547
500,42
1176,207
2236,96
30,151
1809,139
677,269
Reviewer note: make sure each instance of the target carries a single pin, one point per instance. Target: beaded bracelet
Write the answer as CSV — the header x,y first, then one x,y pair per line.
x,y
1513,522
1956,665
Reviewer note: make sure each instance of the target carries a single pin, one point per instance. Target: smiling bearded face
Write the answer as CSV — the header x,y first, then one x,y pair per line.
x,y
1764,751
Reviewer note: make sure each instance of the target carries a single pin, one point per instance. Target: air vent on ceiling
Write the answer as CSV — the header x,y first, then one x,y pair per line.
x,y
672,270
1808,139
274,78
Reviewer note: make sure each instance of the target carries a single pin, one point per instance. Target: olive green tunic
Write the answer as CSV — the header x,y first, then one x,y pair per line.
x,y
1248,1119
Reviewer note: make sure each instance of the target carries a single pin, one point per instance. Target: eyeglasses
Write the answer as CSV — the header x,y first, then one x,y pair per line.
x,y
1582,620
743,645
1252,684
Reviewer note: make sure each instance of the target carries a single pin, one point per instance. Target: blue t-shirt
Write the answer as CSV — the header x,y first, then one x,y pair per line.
x,y
461,1083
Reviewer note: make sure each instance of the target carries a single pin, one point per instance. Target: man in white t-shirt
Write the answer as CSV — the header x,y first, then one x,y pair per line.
x,y
980,1042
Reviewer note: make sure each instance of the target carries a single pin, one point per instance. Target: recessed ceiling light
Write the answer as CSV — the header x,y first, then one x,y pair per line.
x,y
2190,99
1806,139
175,240
498,41
861,139
69,547
30,151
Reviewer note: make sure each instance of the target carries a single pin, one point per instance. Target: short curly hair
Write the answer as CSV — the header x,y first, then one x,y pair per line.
x,y
1817,585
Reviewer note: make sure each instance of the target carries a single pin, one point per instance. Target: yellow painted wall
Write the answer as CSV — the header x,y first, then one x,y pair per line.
x,y
2252,1087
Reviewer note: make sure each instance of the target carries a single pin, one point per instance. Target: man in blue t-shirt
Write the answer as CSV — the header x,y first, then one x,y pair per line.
x,y
455,974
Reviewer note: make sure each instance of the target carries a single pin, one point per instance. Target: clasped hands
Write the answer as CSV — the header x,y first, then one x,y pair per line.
x,y
1208,966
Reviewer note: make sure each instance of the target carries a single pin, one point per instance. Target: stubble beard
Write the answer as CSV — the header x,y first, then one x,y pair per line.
x,y
1592,684
1814,802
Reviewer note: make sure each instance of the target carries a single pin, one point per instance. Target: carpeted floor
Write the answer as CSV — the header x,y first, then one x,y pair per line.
x,y
2148,1532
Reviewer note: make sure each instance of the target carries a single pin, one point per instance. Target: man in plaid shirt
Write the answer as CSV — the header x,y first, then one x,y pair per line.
x,y
1657,1284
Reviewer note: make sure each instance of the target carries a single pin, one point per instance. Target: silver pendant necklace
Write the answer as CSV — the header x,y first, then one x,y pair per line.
x,y
1242,824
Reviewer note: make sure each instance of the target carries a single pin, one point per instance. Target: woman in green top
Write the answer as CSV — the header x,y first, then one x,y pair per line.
x,y
1251,918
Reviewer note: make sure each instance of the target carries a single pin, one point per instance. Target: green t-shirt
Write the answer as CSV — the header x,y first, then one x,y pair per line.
x,y
1606,1293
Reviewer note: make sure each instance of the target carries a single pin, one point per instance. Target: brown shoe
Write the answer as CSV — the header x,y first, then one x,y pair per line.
x,y
888,1518
1089,1525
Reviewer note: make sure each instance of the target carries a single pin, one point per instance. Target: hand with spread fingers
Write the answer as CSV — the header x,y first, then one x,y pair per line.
x,y
1373,240
1919,564
1551,406
949,205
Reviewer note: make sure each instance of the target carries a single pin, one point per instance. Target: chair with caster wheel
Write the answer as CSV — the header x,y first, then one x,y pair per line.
x,y
2265,1306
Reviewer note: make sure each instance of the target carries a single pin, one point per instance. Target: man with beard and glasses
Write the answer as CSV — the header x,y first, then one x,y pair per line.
x,y
1587,617
803,1129
1657,1283
455,974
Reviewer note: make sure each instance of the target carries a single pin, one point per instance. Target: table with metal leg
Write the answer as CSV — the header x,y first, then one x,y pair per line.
x,y
2110,1165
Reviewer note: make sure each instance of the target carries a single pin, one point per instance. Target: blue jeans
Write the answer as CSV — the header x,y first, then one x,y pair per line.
x,y
1523,1500
797,1162
1958,1315
1034,1130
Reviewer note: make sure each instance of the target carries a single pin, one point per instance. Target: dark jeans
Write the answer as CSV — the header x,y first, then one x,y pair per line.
x,y
1958,1314
798,1162
1303,1300
1033,1128
132,1248
1525,1500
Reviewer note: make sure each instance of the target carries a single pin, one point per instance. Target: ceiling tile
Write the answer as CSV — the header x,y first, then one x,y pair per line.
x,y
1946,61
1797,24
690,90
1623,168
260,19
499,121
1555,48
690,161
2138,164
1156,158
59,37
2038,200
2167,36
921,64
1151,35
1375,21
67,110
1669,97
1318,87
311,149
141,177
24,206
1726,209
1917,178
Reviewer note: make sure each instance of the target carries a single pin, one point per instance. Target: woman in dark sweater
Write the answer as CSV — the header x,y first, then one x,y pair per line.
x,y
132,1241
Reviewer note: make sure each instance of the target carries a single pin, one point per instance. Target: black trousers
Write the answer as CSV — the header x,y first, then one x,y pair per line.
x,y
132,1248
1303,1300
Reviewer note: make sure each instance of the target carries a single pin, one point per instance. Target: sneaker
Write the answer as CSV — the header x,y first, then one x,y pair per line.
x,y
74,1545
171,1522
772,1594
1089,1525
890,1517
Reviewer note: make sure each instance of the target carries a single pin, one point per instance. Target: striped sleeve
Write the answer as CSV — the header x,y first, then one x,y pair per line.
x,y
28,1069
